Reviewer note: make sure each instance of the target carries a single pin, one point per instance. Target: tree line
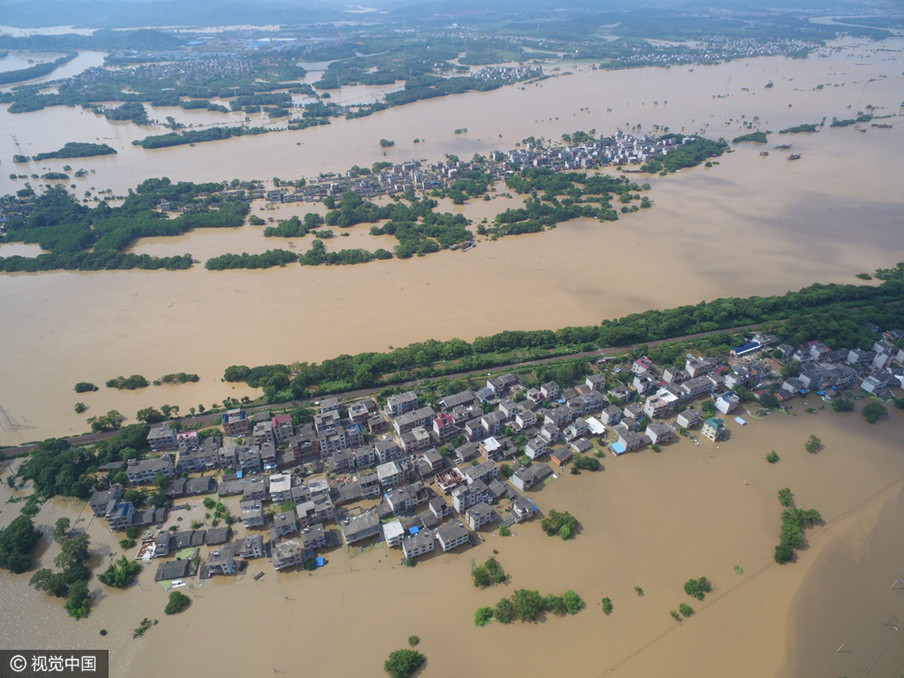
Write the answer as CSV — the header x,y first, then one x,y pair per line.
x,y
806,314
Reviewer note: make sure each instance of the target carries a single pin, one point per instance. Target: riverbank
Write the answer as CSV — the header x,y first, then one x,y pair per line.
x,y
648,520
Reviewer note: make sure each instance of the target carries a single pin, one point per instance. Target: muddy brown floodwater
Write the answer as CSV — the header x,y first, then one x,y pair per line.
x,y
647,520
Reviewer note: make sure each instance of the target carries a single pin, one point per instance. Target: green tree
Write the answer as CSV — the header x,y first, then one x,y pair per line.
x,y
873,411
61,529
78,603
483,616
772,457
413,641
559,523
177,603
120,574
607,606
783,553
685,609
843,405
527,605
149,415
785,497
481,577
573,602
813,444
698,588
404,663
555,605
504,612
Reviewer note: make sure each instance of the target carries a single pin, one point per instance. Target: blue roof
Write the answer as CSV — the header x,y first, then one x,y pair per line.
x,y
749,346
413,530
319,562
617,447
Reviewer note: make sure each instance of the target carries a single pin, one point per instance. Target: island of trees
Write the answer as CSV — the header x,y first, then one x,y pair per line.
x,y
82,238
800,129
754,137
36,71
75,149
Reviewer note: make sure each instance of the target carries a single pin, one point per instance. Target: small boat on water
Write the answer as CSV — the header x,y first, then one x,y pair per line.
x,y
177,583
883,125
764,153
258,576
783,147
794,156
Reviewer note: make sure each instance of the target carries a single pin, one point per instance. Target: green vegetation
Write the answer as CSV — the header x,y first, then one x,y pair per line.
x,y
562,524
833,313
638,591
67,229
675,615
77,150
813,444
149,415
799,129
861,117
873,411
685,610
268,259
607,606
754,137
794,520
691,154
55,468
404,663
70,581
586,463
386,143
490,572
85,387
36,71
177,602
133,111
143,627
61,529
843,405
413,641
698,588
120,574
177,378
527,606
786,497
557,197
772,457
17,540
110,421
294,227
504,531
132,383
198,136
483,616
864,276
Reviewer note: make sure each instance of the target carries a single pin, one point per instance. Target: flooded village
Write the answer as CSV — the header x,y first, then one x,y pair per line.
x,y
423,476
316,539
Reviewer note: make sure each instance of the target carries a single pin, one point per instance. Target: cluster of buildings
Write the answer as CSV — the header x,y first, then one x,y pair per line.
x,y
425,477
622,148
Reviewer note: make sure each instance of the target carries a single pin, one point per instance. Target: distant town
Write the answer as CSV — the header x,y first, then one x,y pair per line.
x,y
425,477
